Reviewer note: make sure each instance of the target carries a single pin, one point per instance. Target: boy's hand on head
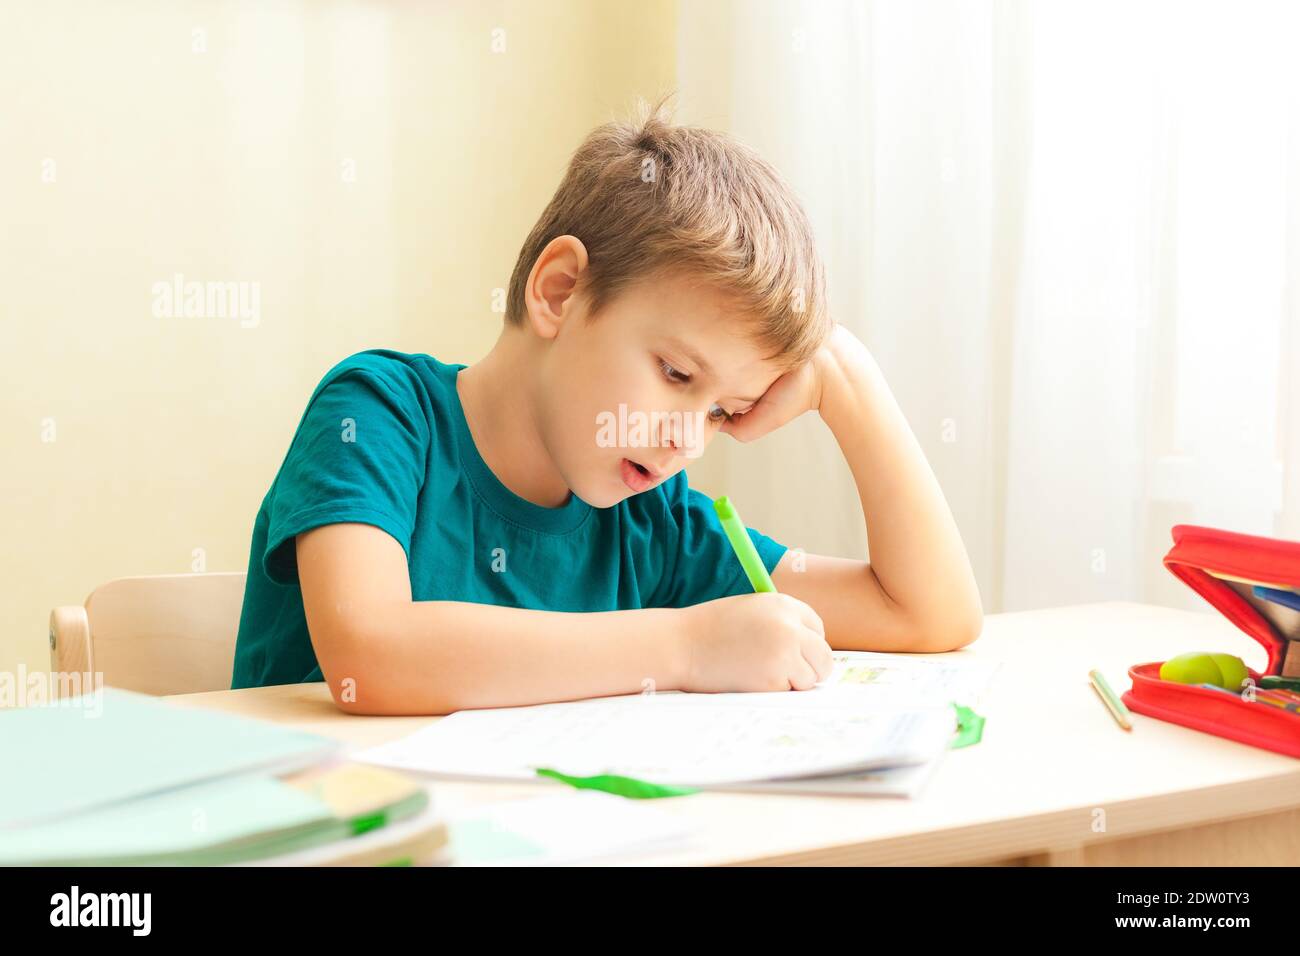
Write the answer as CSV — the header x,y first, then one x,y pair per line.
x,y
797,391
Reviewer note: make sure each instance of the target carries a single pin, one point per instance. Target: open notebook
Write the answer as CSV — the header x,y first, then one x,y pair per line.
x,y
876,713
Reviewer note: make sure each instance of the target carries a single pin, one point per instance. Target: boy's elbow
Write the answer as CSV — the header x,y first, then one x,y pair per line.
x,y
377,695
347,658
339,649
347,651
347,697
941,633
352,690
361,686
954,634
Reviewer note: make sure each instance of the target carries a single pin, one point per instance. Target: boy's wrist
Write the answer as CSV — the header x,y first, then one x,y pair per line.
x,y
683,643
659,644
687,622
845,371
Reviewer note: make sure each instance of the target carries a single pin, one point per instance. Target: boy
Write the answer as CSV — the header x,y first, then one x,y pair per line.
x,y
442,537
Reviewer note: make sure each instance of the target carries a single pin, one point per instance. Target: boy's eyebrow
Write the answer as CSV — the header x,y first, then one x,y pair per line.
x,y
698,360
691,354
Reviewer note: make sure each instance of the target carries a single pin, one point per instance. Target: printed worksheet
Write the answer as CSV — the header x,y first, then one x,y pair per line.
x,y
877,681
915,677
878,725
666,739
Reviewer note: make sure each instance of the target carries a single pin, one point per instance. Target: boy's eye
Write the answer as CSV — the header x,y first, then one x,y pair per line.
x,y
717,414
672,374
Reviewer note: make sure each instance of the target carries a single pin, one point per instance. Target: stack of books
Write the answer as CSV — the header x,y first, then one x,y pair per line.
x,y
114,778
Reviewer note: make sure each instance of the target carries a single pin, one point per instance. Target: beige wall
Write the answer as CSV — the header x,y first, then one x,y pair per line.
x,y
127,156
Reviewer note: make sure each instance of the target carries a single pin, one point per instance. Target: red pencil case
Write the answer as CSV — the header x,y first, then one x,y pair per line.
x,y
1197,557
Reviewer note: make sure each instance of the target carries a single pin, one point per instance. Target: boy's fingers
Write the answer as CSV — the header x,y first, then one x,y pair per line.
x,y
818,654
811,618
745,427
819,657
802,676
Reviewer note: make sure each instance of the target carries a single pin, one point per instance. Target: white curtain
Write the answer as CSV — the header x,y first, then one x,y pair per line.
x,y
1070,234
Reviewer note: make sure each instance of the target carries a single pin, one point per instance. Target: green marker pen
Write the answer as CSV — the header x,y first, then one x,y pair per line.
x,y
743,545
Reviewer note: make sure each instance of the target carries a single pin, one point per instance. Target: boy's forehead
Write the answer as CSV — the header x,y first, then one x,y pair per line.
x,y
694,311
692,296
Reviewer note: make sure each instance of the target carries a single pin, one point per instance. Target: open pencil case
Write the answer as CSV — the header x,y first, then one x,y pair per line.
x,y
1224,567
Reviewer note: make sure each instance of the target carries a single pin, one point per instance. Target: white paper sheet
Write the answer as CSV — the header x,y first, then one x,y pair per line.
x,y
878,725
669,739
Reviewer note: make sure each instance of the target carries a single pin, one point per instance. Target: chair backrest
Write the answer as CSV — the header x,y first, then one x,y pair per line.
x,y
167,634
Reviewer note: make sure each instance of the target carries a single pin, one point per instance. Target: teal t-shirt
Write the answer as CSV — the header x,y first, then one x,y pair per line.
x,y
384,442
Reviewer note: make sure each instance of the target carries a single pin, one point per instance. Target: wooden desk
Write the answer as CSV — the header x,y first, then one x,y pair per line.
x,y
1053,782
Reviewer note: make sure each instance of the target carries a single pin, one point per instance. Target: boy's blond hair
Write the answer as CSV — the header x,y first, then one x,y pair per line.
x,y
649,198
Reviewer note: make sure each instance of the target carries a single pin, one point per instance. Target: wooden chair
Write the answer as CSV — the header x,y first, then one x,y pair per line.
x,y
167,634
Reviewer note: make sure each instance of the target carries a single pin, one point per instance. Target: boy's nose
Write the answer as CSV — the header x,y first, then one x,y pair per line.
x,y
691,444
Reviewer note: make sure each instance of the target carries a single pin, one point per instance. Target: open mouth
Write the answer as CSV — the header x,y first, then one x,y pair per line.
x,y
637,476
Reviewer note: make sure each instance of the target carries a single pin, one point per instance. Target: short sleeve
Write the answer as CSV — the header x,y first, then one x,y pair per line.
x,y
700,564
360,455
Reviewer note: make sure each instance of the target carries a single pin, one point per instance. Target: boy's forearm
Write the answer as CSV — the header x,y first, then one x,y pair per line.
x,y
435,657
917,553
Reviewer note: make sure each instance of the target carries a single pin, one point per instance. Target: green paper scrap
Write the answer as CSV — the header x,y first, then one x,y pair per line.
x,y
370,821
622,786
970,727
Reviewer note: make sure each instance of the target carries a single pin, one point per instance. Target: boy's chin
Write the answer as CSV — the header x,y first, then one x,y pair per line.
x,y
601,495
604,498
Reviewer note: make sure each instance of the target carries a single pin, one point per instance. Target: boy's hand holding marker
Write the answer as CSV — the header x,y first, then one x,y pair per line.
x,y
754,642
759,641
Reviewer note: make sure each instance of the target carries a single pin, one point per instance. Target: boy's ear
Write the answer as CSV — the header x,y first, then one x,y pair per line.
x,y
549,294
